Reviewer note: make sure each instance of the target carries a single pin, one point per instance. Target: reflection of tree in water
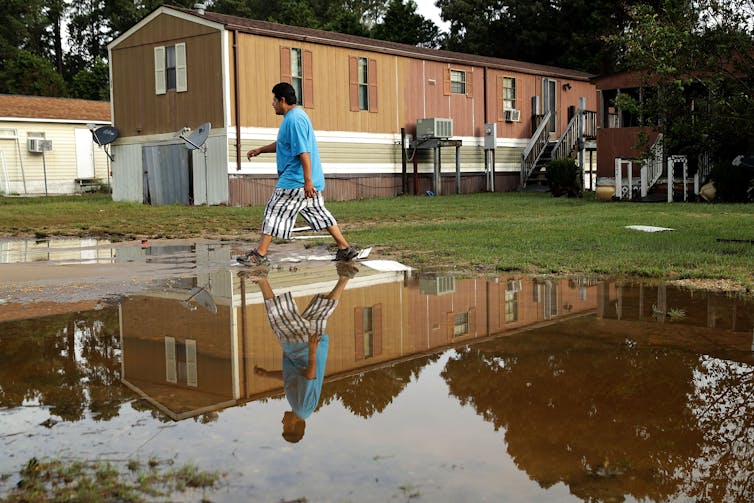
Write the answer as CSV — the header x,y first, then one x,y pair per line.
x,y
67,362
607,418
723,403
371,392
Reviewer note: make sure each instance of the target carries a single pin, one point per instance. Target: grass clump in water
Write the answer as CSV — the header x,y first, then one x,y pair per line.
x,y
57,480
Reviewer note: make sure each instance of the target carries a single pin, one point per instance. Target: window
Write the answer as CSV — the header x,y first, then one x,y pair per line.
x,y
297,74
367,331
362,74
296,68
368,327
460,324
170,68
511,306
363,84
180,361
457,82
509,93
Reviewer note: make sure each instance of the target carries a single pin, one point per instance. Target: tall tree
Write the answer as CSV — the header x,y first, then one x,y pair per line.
x,y
401,23
567,33
697,60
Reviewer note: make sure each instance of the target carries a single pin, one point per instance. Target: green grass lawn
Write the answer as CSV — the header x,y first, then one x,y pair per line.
x,y
531,233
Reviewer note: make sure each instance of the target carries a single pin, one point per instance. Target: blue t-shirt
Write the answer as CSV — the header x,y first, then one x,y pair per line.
x,y
296,136
302,393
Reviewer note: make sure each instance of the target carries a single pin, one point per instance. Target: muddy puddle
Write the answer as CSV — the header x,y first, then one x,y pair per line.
x,y
428,387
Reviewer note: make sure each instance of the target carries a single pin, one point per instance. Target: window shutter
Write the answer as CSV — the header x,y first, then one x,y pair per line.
x,y
451,326
171,374
285,65
469,84
353,83
308,78
159,70
499,99
191,379
446,82
472,321
377,328
358,331
372,74
181,81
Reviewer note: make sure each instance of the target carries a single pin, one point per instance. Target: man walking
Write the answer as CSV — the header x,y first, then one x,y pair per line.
x,y
300,181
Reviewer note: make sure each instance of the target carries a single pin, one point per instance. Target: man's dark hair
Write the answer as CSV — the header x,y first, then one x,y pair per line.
x,y
284,90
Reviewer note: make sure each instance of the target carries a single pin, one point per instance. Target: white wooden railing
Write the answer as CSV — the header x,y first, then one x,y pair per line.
x,y
652,166
534,149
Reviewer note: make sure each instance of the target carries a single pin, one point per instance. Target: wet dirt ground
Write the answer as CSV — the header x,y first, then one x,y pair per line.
x,y
433,387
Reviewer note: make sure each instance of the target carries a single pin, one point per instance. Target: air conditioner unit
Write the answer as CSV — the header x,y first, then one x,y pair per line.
x,y
512,115
434,128
39,145
440,285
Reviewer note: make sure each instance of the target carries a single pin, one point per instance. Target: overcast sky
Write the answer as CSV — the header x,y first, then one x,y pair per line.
x,y
427,9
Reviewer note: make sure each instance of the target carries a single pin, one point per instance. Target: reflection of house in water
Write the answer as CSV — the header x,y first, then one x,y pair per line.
x,y
188,360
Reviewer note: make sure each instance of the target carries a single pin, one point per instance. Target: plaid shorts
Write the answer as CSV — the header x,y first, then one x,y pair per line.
x,y
291,326
285,204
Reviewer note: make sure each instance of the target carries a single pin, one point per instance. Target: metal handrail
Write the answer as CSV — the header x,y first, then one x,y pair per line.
x,y
534,149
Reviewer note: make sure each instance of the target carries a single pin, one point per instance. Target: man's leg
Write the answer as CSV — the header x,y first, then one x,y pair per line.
x,y
334,231
264,244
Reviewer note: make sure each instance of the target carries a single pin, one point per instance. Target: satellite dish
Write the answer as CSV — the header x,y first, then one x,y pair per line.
x,y
105,135
198,137
202,297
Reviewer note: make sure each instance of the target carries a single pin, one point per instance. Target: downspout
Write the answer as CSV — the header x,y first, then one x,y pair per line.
x,y
237,105
484,77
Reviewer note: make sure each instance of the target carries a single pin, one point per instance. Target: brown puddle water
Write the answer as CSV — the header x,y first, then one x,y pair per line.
x,y
435,388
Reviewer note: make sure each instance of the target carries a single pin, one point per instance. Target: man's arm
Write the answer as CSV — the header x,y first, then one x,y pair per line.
x,y
266,149
277,374
311,368
306,165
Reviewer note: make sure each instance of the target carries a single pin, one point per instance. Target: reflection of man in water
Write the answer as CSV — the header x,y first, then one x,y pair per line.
x,y
305,343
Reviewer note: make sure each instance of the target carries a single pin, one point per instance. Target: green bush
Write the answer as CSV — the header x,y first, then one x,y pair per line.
x,y
563,177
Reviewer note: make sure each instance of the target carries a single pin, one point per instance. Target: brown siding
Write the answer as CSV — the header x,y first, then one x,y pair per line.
x,y
619,142
137,109
330,78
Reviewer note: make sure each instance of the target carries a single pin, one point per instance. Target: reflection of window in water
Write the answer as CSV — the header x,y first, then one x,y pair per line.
x,y
460,324
368,328
546,292
511,306
512,288
368,331
180,361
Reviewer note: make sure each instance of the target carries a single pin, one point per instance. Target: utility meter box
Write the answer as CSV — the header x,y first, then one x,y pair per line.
x,y
490,134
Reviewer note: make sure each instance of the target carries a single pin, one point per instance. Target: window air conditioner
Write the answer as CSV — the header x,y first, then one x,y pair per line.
x,y
39,145
440,285
512,115
434,128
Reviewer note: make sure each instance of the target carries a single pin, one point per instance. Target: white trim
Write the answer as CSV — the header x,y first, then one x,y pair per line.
x,y
181,79
357,168
55,121
161,137
270,134
226,86
160,85
169,12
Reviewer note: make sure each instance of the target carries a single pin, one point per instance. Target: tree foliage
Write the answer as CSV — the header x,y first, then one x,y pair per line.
x,y
564,33
697,62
